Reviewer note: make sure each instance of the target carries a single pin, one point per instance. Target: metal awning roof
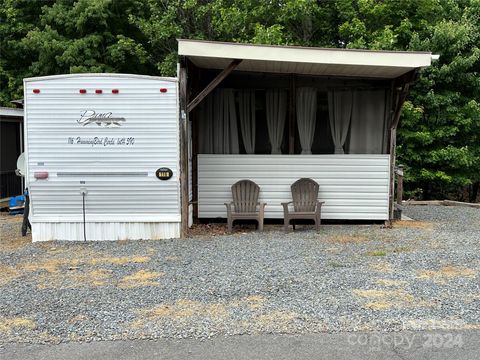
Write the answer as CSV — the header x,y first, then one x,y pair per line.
x,y
303,60
11,112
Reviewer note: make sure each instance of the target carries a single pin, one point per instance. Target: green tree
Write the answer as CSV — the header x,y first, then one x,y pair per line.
x,y
17,19
440,134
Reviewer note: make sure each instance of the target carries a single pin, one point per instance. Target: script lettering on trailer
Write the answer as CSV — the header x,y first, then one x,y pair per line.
x,y
88,117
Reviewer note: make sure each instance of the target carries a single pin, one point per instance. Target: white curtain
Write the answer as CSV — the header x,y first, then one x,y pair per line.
x,y
217,128
340,104
225,131
368,122
246,106
306,117
276,107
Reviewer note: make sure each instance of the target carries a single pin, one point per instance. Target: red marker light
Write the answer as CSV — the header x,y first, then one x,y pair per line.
x,y
36,91
163,90
39,175
115,91
83,91
98,91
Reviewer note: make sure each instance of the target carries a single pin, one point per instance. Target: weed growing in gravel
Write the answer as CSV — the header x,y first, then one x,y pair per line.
x,y
377,253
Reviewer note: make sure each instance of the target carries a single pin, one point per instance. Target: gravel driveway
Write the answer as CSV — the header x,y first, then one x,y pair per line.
x,y
417,275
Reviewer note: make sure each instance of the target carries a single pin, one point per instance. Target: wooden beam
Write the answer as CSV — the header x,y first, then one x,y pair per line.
x,y
195,74
403,83
213,84
183,128
399,173
291,115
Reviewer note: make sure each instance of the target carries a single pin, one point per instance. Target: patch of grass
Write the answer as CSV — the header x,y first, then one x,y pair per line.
x,y
440,324
184,308
9,245
78,318
382,267
412,224
118,260
336,264
140,278
277,317
186,312
347,239
390,282
53,265
74,278
254,301
377,253
8,274
12,324
446,273
387,299
401,249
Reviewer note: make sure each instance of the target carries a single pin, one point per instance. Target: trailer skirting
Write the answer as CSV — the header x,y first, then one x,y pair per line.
x,y
73,231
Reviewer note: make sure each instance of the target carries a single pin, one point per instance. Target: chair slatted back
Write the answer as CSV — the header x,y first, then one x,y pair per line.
x,y
245,196
304,195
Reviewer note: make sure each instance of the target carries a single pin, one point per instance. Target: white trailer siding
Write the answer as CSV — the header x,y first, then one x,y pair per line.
x,y
125,199
354,187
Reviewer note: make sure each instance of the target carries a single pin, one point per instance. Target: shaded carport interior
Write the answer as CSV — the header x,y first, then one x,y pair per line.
x,y
204,65
11,132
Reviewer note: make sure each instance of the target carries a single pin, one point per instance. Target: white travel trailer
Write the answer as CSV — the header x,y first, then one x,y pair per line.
x,y
102,157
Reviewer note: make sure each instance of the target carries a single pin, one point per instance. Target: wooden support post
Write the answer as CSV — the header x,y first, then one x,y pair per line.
x,y
403,83
399,173
393,139
183,128
213,84
291,115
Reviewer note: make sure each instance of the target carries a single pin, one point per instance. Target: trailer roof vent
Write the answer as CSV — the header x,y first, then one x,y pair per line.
x,y
98,91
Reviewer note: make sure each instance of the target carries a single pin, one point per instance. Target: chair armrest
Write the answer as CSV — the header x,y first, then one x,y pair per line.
x,y
229,208
319,206
285,206
261,208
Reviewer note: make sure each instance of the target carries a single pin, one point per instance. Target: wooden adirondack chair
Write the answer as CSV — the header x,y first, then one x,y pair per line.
x,y
305,203
245,205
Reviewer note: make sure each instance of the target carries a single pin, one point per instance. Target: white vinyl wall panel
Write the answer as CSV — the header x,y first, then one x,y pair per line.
x,y
354,187
119,174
